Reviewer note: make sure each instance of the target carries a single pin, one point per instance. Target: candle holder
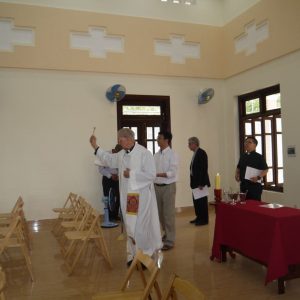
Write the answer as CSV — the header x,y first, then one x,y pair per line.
x,y
218,198
218,195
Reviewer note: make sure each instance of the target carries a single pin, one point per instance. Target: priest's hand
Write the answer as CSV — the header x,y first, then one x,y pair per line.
x,y
161,175
237,175
114,177
254,179
126,173
93,141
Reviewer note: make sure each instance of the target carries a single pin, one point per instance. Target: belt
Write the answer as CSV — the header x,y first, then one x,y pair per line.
x,y
160,184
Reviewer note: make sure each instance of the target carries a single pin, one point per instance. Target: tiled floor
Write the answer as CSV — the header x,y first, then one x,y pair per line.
x,y
239,278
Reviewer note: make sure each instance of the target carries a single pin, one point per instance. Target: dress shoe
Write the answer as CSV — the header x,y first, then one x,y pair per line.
x,y
194,221
129,263
200,223
166,247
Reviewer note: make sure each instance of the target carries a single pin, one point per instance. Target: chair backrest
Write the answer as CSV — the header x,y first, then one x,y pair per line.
x,y
178,286
12,229
15,237
85,218
19,204
69,205
18,207
71,201
143,262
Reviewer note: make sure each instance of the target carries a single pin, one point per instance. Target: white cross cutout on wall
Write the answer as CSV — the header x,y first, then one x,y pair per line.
x,y
97,42
254,34
177,49
11,36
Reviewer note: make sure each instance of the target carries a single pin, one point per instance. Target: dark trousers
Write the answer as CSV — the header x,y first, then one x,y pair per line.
x,y
107,184
253,189
201,209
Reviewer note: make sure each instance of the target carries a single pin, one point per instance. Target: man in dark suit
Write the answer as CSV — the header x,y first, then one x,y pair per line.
x,y
199,180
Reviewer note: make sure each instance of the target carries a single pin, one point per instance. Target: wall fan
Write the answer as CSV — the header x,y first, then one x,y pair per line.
x,y
205,95
115,93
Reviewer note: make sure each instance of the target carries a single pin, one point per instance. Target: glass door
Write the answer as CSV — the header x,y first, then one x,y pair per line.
x,y
146,116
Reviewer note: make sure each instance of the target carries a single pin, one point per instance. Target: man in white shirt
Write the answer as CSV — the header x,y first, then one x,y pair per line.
x,y
110,180
136,169
166,163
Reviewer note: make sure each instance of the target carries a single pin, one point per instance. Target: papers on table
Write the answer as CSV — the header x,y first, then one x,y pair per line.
x,y
272,205
252,172
197,193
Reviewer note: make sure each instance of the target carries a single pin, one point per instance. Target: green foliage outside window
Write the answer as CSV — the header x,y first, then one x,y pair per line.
x,y
252,106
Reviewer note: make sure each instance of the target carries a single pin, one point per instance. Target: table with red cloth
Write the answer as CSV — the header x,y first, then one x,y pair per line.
x,y
270,236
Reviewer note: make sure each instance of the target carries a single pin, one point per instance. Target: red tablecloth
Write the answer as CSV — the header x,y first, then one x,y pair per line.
x,y
270,236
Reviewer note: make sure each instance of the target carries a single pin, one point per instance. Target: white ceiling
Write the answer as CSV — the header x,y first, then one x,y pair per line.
x,y
208,12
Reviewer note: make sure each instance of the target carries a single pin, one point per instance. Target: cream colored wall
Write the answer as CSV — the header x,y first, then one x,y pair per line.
x,y
52,51
284,34
207,12
234,8
284,71
218,59
46,118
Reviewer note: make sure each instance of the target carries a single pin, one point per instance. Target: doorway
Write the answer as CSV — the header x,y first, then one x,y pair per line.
x,y
146,116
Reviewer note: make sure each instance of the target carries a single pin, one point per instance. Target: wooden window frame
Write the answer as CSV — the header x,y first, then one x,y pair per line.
x,y
262,115
163,121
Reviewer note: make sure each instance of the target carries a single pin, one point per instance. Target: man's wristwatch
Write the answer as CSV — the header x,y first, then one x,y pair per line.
x,y
258,178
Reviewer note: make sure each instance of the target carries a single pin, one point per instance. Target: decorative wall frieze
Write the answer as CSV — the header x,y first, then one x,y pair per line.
x,y
177,49
253,35
11,36
97,42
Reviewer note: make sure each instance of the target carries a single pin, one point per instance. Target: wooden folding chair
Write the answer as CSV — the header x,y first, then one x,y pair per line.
x,y
79,241
2,284
68,220
81,223
68,214
5,217
69,204
141,261
5,221
182,289
14,238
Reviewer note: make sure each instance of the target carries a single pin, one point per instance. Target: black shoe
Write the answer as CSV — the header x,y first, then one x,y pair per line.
x,y
166,247
200,223
129,263
194,221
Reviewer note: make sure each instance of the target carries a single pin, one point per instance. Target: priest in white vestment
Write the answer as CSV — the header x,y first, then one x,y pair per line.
x,y
137,172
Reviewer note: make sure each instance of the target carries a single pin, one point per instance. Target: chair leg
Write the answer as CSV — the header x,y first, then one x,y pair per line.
x,y
103,249
56,227
28,261
72,267
71,248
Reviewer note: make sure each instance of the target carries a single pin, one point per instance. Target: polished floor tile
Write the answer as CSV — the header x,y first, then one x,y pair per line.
x,y
238,278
